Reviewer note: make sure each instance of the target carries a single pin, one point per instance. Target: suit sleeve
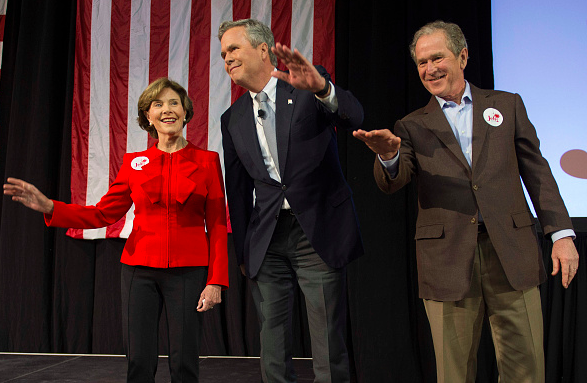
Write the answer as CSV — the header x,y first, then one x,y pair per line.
x,y
406,164
537,175
239,190
216,226
349,114
113,206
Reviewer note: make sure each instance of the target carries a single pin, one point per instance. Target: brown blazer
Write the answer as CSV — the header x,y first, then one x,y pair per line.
x,y
451,194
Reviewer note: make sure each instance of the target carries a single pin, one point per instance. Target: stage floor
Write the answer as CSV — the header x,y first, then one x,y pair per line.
x,y
49,368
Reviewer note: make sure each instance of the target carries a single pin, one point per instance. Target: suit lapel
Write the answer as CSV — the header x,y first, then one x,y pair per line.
x,y
284,107
436,121
480,127
243,124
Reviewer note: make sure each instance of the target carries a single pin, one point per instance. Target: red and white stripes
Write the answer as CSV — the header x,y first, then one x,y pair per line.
x,y
121,46
2,21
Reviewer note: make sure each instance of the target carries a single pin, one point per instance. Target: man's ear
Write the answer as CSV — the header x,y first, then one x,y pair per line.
x,y
264,50
463,57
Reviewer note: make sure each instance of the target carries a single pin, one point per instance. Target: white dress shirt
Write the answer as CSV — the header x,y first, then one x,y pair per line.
x,y
330,101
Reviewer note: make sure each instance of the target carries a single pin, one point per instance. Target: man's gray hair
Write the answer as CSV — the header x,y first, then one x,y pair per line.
x,y
455,39
256,32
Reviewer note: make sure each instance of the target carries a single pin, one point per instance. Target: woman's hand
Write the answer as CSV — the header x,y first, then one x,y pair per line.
x,y
28,195
209,298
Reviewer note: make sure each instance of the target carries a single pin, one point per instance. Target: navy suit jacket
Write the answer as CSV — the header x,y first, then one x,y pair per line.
x,y
312,179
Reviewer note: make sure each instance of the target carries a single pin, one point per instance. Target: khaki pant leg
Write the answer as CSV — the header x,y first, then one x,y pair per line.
x,y
515,318
516,322
456,331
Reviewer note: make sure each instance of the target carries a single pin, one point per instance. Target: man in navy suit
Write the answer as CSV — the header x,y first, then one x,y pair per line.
x,y
292,214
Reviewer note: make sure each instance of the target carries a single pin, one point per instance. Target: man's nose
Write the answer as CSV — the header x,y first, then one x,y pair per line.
x,y
430,67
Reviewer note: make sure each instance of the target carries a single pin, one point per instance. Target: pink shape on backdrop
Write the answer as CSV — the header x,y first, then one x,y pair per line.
x,y
574,163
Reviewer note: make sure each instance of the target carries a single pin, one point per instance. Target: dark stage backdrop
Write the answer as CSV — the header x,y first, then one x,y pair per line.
x,y
59,294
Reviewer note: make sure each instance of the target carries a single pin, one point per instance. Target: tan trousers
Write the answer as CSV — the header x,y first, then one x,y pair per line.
x,y
515,318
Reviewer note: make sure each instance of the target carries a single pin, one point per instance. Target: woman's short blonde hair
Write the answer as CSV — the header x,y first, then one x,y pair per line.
x,y
150,94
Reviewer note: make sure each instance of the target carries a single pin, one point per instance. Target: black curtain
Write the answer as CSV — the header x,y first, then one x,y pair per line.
x,y
59,294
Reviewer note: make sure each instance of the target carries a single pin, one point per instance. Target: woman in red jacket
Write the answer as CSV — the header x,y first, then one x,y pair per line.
x,y
177,251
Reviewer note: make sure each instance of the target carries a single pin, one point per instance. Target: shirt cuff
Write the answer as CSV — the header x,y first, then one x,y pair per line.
x,y
391,165
330,101
562,234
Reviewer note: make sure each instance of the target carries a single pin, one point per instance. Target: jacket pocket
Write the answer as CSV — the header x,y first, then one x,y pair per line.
x,y
522,219
153,188
339,196
429,231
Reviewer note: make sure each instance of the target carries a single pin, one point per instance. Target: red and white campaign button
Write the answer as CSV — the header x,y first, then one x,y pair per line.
x,y
493,117
139,162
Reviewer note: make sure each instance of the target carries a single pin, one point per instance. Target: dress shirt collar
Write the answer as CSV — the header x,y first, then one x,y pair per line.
x,y
466,98
270,88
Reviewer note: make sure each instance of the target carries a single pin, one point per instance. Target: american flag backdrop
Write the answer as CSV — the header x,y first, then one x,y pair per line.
x,y
2,20
121,46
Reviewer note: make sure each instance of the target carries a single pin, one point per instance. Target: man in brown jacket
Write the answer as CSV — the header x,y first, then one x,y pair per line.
x,y
475,241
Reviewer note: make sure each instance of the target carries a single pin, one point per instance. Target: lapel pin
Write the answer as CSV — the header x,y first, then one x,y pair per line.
x,y
289,101
138,163
493,117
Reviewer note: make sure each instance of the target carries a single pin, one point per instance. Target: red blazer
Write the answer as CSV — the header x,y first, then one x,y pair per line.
x,y
180,210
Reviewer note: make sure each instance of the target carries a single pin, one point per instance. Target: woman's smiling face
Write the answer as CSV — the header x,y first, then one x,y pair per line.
x,y
166,113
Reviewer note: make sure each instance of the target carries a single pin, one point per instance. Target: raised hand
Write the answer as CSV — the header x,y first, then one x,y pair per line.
x,y
382,142
302,74
28,195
